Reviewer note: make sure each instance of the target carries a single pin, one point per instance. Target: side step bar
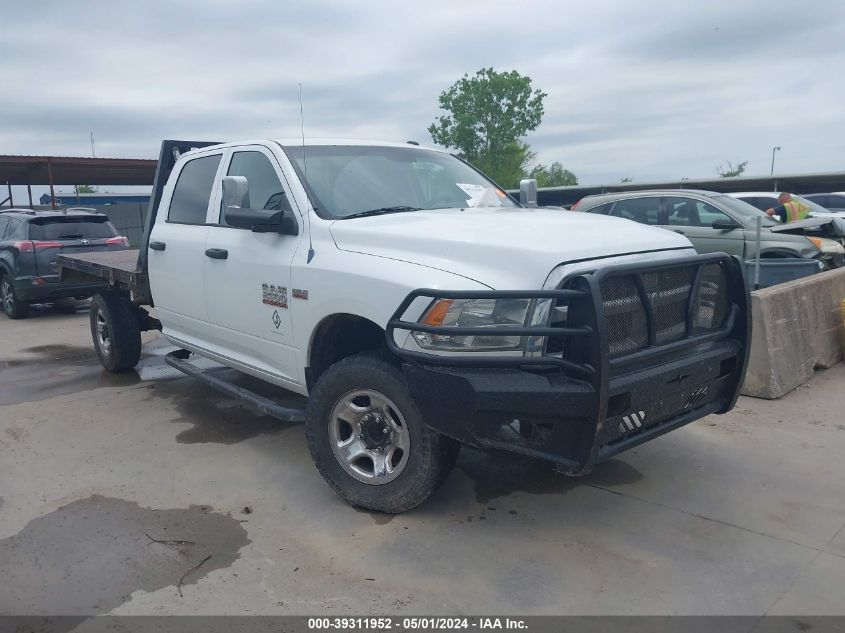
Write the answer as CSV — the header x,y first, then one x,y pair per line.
x,y
177,360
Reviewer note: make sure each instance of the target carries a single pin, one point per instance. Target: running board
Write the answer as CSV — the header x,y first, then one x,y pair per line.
x,y
176,359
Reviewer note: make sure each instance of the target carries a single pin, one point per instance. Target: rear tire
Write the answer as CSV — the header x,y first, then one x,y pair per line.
x,y
12,306
115,331
417,458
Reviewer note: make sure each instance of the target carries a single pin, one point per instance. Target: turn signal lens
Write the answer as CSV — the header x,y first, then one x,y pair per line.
x,y
437,313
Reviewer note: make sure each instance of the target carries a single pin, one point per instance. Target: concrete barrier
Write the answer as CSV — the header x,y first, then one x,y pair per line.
x,y
797,328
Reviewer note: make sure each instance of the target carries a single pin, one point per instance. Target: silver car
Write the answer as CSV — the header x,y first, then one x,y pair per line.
x,y
715,222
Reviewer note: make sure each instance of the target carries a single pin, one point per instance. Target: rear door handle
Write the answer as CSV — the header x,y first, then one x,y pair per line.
x,y
682,232
158,246
217,253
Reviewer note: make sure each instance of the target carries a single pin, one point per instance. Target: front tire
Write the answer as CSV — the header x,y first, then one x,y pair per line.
x,y
368,438
116,333
12,306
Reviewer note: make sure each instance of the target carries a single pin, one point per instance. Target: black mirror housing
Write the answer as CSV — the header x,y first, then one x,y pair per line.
x,y
262,221
725,225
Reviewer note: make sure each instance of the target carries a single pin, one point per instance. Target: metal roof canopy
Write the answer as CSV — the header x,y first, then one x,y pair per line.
x,y
72,170
69,170
823,182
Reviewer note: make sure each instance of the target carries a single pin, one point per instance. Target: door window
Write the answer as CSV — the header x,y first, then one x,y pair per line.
x,y
4,223
189,203
642,210
265,188
691,212
604,209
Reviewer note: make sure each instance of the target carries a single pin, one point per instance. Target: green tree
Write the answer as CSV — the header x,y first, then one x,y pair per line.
x,y
83,189
485,116
728,170
553,176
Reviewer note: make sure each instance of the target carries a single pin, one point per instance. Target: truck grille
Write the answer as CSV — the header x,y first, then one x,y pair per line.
x,y
662,297
649,307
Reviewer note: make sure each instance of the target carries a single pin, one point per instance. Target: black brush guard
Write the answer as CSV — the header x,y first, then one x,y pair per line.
x,y
602,394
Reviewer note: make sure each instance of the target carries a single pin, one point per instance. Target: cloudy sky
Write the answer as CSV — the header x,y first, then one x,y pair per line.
x,y
645,89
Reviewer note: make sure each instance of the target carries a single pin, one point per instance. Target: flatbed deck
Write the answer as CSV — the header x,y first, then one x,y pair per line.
x,y
118,268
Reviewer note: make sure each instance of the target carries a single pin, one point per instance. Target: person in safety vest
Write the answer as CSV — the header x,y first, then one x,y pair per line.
x,y
790,209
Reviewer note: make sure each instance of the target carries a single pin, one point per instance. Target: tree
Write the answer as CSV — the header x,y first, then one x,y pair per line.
x,y
485,117
553,176
626,179
728,170
83,189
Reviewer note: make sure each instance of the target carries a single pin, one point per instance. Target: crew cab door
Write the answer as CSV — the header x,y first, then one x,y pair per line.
x,y
176,256
247,275
694,219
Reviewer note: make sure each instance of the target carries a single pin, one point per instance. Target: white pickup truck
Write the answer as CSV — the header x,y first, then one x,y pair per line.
x,y
419,306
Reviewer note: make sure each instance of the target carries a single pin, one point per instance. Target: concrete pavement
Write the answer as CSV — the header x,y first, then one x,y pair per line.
x,y
117,493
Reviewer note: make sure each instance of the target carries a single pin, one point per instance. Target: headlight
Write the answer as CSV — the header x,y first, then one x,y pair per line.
x,y
826,245
483,313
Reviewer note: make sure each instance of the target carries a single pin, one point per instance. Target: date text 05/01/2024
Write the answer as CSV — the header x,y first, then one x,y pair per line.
x,y
416,623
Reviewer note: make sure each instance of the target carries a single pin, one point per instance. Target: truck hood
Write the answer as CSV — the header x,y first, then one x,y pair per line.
x,y
502,248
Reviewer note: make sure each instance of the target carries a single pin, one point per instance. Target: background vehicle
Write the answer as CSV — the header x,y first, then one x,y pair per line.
x,y
833,202
418,307
30,242
765,200
714,222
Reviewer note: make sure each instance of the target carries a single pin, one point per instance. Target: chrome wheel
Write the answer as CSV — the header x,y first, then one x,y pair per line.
x,y
8,296
103,338
369,437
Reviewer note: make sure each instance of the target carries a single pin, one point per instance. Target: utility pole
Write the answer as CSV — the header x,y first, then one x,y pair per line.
x,y
776,148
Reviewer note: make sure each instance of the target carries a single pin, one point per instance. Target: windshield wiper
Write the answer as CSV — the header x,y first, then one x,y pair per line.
x,y
70,236
380,211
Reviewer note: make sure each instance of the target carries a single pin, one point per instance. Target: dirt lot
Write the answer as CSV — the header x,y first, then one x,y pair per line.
x,y
119,493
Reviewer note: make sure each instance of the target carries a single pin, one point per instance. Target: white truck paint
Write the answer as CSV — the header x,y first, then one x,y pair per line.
x,y
305,307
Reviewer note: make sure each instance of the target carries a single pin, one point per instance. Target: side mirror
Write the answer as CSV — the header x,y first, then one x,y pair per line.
x,y
725,224
528,192
262,220
235,192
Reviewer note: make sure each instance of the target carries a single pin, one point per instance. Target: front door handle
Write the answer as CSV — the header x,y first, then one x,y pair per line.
x,y
217,253
158,246
681,231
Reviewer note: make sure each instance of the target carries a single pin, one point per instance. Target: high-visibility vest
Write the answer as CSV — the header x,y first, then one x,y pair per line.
x,y
796,210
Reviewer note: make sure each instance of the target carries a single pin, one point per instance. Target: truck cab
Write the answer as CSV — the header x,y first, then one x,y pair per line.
x,y
418,307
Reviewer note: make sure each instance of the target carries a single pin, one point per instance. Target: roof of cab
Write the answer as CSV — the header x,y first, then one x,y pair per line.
x,y
293,143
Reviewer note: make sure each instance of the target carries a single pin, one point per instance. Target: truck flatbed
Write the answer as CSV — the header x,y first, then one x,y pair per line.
x,y
117,268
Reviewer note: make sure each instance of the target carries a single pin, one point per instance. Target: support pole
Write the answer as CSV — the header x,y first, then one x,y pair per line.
x,y
757,257
29,193
50,178
11,202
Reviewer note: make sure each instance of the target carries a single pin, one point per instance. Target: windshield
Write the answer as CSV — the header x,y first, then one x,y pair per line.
x,y
745,211
351,180
815,207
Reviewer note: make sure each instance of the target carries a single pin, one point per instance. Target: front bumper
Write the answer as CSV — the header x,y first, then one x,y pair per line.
x,y
583,409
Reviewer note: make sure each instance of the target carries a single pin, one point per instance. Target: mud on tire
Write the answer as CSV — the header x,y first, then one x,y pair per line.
x,y
115,331
427,457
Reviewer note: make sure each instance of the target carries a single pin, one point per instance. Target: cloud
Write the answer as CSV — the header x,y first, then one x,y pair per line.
x,y
649,90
